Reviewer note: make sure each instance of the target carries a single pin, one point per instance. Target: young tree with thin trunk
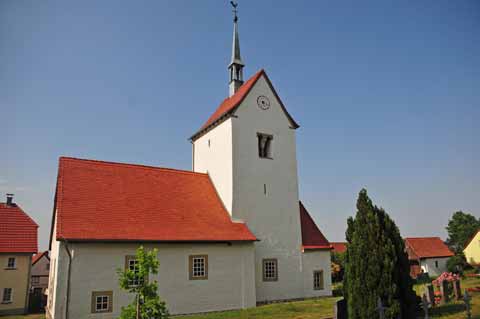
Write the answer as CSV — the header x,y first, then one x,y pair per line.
x,y
147,303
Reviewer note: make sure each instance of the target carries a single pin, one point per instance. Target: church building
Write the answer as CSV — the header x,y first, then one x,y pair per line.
x,y
231,233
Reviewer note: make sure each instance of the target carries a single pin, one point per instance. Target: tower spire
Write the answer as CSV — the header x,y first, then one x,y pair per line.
x,y
235,68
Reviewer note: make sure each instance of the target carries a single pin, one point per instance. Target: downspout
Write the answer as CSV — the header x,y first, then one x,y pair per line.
x,y
68,277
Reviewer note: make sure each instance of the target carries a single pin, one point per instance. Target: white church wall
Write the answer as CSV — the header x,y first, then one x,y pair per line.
x,y
315,260
57,278
429,265
230,283
212,154
273,217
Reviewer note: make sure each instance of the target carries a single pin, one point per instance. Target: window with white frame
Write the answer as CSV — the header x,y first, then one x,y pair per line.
x,y
102,301
198,265
270,269
318,280
11,263
7,295
131,263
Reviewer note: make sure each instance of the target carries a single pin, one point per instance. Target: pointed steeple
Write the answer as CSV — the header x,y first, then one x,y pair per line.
x,y
235,68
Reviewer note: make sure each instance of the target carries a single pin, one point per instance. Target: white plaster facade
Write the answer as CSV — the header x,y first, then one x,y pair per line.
x,y
263,192
435,266
230,283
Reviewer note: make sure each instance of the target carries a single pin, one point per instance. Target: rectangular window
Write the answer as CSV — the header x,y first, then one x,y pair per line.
x,y
436,263
35,280
198,265
264,145
11,263
318,280
270,270
131,263
7,295
102,301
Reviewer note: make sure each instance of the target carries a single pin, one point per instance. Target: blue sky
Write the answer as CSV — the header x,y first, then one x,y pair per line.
x,y
387,95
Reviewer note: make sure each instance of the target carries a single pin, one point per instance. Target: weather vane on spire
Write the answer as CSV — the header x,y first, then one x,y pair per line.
x,y
234,5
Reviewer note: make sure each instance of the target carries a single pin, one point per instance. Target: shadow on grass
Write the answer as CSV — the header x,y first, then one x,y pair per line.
x,y
449,309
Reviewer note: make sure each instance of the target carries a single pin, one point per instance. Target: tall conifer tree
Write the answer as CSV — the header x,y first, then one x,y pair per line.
x,y
376,265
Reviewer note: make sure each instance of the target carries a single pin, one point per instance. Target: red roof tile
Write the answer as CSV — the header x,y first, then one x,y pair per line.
x,y
339,247
106,201
312,237
38,256
18,232
229,105
426,247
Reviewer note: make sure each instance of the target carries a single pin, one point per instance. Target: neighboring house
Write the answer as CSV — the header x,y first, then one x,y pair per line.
x,y
231,233
18,242
339,247
40,271
427,255
472,250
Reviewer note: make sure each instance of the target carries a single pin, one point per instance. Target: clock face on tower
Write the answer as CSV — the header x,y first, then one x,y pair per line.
x,y
263,102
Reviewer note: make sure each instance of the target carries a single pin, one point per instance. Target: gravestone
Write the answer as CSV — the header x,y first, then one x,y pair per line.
x,y
430,294
457,289
425,305
444,292
341,309
467,299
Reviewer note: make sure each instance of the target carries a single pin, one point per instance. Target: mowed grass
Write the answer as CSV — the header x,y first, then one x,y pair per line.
x,y
308,309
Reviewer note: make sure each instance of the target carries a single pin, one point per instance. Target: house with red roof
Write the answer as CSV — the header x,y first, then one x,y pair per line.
x,y
231,233
18,242
427,255
39,281
339,247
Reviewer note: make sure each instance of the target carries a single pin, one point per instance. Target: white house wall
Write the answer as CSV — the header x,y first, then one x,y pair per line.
x,y
428,265
274,217
230,283
212,154
313,261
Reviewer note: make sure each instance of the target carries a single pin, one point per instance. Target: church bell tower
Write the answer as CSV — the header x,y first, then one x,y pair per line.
x,y
235,68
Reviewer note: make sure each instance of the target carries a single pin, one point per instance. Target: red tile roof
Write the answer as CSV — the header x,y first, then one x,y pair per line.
x,y
426,247
339,247
107,201
38,256
18,232
229,105
312,237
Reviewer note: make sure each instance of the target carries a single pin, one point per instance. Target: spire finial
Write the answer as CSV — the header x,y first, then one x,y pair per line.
x,y
236,64
234,5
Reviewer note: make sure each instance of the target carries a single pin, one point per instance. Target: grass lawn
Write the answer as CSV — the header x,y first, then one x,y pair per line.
x,y
308,309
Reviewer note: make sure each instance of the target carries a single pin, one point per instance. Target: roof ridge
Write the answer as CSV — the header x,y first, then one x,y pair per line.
x,y
149,167
424,237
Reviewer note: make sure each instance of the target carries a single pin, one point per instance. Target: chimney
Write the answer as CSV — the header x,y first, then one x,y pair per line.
x,y
9,199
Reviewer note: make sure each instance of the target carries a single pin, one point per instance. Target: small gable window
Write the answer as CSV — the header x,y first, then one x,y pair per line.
x,y
198,265
318,280
270,270
264,145
11,263
102,301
